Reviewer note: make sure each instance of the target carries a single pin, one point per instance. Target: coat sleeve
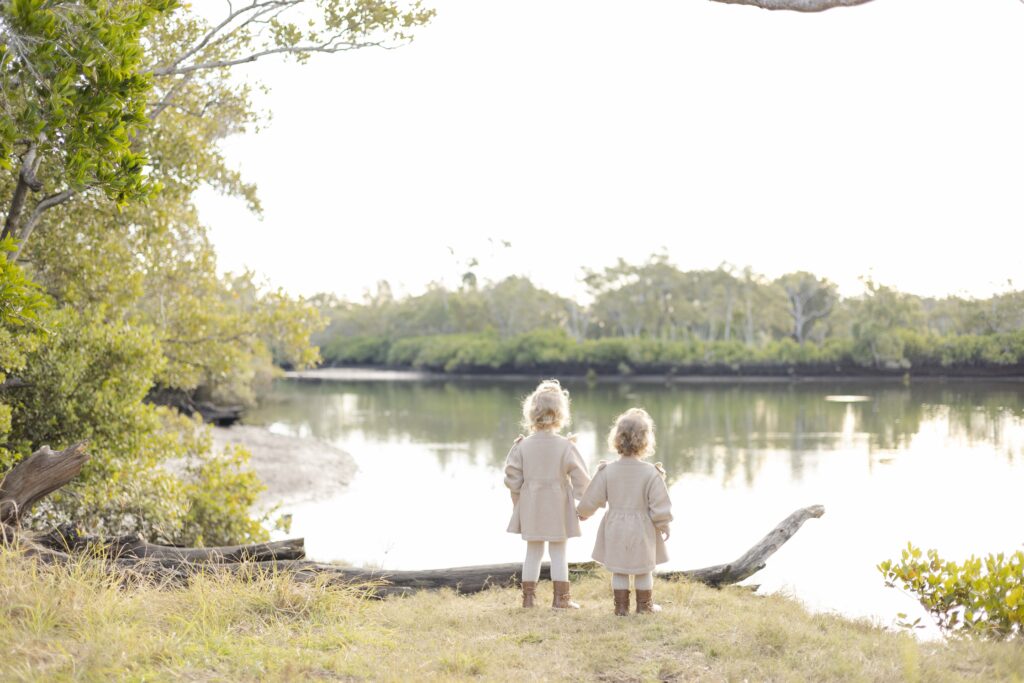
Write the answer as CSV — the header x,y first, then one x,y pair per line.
x,y
576,469
514,470
596,494
658,503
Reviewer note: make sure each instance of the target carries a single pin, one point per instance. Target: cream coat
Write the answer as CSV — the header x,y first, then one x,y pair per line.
x,y
628,540
545,473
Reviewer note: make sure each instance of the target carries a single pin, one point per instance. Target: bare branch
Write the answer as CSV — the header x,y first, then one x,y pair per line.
x,y
796,5
325,48
168,98
212,33
45,204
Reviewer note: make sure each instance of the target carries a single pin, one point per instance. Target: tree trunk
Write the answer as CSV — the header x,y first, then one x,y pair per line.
x,y
37,476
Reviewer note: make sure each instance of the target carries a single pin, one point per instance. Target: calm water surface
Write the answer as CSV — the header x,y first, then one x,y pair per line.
x,y
941,465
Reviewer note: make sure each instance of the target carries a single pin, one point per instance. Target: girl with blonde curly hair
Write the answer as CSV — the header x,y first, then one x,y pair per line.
x,y
545,475
632,535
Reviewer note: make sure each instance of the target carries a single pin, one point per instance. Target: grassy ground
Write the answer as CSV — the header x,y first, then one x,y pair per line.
x,y
79,624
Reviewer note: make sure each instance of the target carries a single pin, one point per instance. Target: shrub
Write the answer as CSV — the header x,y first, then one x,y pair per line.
x,y
88,381
605,353
978,598
363,350
541,348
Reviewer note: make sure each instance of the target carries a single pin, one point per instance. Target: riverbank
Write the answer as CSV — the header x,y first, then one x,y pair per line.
x,y
81,624
293,469
554,352
389,374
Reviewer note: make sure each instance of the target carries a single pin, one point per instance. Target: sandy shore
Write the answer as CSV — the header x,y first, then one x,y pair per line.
x,y
293,469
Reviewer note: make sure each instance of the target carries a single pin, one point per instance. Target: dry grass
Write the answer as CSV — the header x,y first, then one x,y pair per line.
x,y
79,624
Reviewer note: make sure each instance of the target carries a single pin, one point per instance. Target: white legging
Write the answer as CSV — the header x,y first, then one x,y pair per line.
x,y
534,555
641,582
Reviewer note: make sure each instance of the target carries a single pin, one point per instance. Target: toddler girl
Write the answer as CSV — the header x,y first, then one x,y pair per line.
x,y
545,474
632,535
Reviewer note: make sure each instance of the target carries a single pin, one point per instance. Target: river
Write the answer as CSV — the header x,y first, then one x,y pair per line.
x,y
939,464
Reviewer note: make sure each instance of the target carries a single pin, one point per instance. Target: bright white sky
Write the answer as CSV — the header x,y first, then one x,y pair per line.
x,y
886,139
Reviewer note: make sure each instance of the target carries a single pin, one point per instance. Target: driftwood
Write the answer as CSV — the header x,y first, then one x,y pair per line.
x,y
179,564
134,547
754,559
46,471
35,477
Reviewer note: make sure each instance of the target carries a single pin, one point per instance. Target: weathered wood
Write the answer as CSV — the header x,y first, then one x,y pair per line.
x,y
462,579
291,549
37,476
135,547
797,5
754,559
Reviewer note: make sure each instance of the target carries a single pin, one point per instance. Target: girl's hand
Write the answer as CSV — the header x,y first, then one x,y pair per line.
x,y
571,436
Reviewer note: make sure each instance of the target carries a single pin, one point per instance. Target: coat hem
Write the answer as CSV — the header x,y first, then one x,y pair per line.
x,y
634,570
549,539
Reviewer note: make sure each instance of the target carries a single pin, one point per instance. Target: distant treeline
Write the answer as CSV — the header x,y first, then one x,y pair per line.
x,y
653,318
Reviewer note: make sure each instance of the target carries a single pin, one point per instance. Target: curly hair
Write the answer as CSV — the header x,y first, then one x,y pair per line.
x,y
632,434
547,407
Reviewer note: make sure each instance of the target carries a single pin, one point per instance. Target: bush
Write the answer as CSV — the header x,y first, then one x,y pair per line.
x,y
978,598
605,353
361,350
220,491
88,381
478,353
541,348
889,349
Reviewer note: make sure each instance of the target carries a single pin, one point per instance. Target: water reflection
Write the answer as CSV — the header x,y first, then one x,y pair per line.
x,y
720,431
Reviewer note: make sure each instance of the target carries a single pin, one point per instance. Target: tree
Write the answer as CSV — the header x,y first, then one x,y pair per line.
x,y
877,318
810,300
80,85
74,96
138,300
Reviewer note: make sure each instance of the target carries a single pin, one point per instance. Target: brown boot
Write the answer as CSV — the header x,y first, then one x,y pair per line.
x,y
645,602
621,597
529,593
562,599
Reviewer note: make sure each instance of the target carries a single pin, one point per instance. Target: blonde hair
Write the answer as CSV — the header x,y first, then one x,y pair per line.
x,y
632,434
547,407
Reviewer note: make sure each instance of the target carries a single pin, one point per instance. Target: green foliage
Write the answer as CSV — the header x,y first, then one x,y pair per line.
x,y
221,491
879,318
21,305
980,597
652,317
74,89
88,381
109,102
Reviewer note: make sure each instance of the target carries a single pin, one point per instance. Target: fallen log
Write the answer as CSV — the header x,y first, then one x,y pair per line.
x,y
465,579
135,547
475,579
754,559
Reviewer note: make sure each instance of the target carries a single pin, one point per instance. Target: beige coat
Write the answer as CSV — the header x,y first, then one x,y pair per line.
x,y
545,473
628,540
